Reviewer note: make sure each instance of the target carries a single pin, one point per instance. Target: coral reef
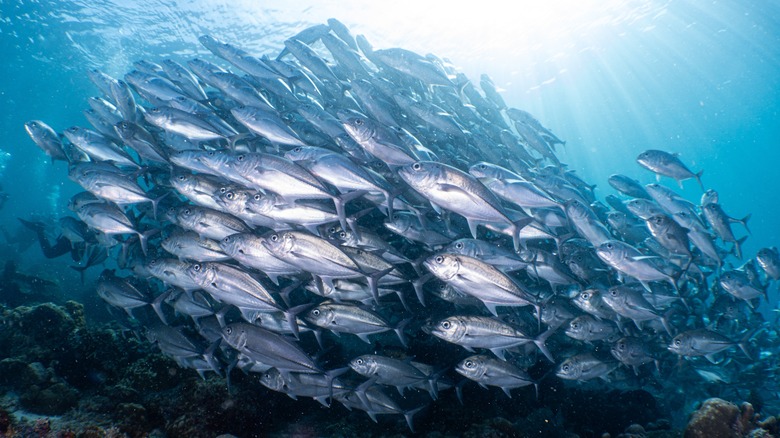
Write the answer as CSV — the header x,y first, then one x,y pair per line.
x,y
717,418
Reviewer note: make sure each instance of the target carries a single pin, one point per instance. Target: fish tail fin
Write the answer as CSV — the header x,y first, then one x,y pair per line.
x,y
331,376
418,287
744,221
409,414
291,314
517,226
743,343
144,237
698,178
80,270
737,250
157,305
155,202
341,200
399,330
210,359
373,282
540,342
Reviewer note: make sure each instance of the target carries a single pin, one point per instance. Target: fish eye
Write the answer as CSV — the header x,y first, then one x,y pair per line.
x,y
614,293
575,325
155,110
315,312
621,346
439,259
343,235
609,246
298,149
459,245
196,267
359,122
257,197
274,237
416,166
182,177
229,330
240,157
186,211
230,195
469,364
565,368
483,166
226,239
585,296
677,342
210,153
445,324
359,361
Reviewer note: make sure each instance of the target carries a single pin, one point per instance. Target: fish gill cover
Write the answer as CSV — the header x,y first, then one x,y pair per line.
x,y
369,227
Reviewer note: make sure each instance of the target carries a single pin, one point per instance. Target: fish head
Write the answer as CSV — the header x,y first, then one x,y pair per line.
x,y
73,134
365,365
444,266
465,247
34,129
611,251
472,367
629,349
576,209
646,159
359,127
235,335
681,344
232,199
570,369
245,114
483,170
157,116
421,175
299,153
125,129
181,180
450,329
614,296
202,273
399,223
260,203
209,42
578,327
709,197
620,349
658,222
279,244
186,214
321,316
617,219
273,380
214,159
586,298
731,280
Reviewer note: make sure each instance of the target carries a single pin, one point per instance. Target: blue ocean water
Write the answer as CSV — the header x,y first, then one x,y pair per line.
x,y
612,78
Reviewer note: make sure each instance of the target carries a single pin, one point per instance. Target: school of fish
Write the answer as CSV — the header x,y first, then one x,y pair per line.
x,y
266,209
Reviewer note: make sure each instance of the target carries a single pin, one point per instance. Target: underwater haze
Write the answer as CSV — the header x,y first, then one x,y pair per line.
x,y
602,82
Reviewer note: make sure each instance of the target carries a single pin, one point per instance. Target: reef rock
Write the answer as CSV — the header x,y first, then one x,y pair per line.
x,y
717,418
